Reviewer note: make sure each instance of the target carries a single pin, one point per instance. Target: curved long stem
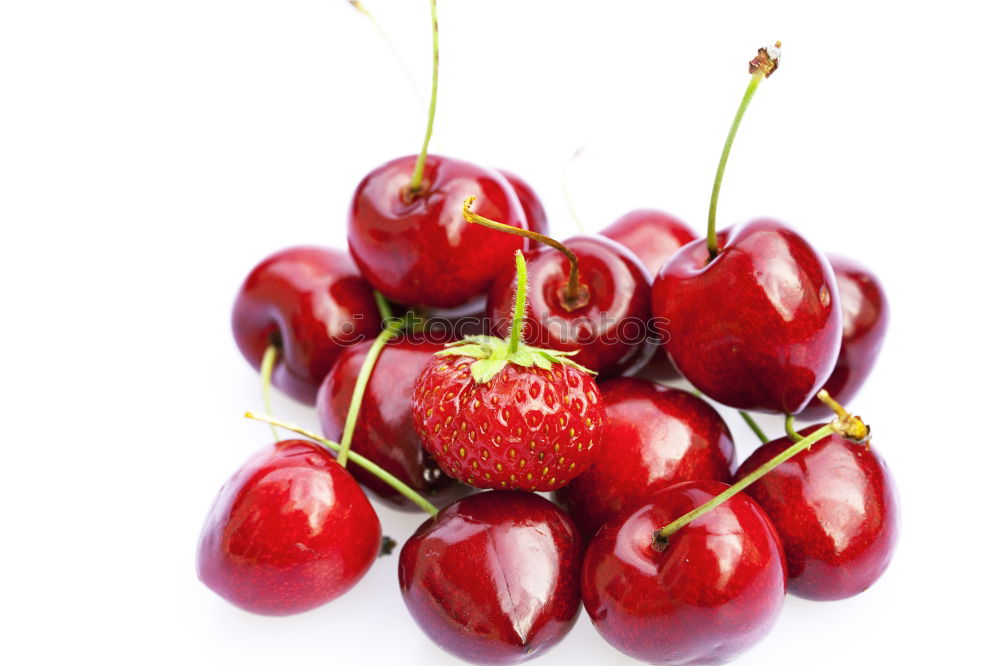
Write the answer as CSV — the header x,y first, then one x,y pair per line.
x,y
576,294
392,48
356,458
713,246
753,426
416,181
790,428
564,182
391,330
384,309
266,370
520,298
662,536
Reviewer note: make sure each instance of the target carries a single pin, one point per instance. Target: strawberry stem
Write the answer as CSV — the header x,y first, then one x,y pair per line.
x,y
417,180
391,330
574,294
761,67
520,299
662,536
266,370
356,458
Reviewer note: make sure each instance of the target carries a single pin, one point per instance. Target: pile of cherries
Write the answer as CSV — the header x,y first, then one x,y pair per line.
x,y
676,557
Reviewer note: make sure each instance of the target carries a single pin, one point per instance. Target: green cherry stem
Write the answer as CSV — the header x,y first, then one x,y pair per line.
x,y
661,537
574,294
392,48
520,298
266,370
417,180
761,67
391,330
754,426
384,309
356,458
790,428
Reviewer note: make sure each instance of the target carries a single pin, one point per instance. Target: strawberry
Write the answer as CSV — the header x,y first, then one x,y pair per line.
x,y
501,414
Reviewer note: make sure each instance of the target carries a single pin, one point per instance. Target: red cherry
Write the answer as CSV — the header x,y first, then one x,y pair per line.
x,y
534,212
654,437
607,327
290,531
416,248
758,327
866,316
495,577
653,235
312,303
384,430
715,590
835,507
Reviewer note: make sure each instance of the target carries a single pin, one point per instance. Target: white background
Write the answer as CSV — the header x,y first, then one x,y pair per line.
x,y
152,152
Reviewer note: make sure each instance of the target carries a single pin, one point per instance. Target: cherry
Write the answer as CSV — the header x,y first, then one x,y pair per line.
x,y
753,313
713,590
653,235
758,327
384,433
290,531
835,507
495,577
534,212
311,304
654,437
865,319
589,296
415,247
405,228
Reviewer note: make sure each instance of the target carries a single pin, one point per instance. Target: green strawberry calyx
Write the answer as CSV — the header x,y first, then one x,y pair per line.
x,y
494,354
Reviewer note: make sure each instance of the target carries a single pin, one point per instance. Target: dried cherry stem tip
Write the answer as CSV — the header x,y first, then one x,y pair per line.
x,y
762,66
846,425
357,459
574,293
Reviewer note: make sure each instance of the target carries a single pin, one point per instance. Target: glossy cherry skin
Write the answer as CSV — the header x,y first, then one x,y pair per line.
x,y
866,318
759,326
654,437
534,212
313,303
836,510
609,331
418,249
290,531
654,236
384,430
495,577
715,590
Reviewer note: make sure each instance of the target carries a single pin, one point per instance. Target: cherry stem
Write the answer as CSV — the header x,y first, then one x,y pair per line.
x,y
761,67
520,300
266,370
564,182
662,536
391,330
845,425
417,180
575,295
384,309
356,458
392,48
754,426
790,428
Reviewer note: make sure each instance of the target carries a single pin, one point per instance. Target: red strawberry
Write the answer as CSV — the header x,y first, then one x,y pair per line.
x,y
501,414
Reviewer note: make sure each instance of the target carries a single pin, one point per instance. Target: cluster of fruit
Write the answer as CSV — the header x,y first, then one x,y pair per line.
x,y
676,557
